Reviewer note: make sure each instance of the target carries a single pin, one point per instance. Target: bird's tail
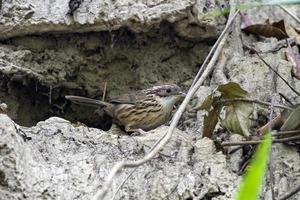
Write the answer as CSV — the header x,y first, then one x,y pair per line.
x,y
87,101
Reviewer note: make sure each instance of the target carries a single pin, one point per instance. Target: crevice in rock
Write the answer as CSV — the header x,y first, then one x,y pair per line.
x,y
48,67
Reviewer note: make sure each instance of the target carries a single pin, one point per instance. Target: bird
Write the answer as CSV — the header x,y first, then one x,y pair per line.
x,y
140,112
73,5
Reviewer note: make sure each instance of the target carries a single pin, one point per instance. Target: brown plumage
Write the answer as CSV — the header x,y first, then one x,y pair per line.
x,y
143,111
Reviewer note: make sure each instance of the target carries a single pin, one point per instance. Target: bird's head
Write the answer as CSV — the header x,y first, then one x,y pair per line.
x,y
170,93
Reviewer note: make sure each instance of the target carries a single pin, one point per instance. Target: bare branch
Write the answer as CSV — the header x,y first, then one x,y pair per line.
x,y
286,132
259,141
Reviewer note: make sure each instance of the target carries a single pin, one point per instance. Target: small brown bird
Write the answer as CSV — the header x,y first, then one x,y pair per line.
x,y
142,112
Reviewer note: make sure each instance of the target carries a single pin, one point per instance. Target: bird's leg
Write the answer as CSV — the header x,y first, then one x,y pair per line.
x,y
137,131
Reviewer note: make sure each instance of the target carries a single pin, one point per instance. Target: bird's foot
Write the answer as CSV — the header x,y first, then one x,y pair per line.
x,y
137,132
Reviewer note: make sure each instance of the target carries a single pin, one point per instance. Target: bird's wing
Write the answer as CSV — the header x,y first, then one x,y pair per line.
x,y
129,98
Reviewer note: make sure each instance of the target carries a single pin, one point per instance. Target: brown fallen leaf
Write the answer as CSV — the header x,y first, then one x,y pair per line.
x,y
276,29
238,114
210,121
211,118
294,58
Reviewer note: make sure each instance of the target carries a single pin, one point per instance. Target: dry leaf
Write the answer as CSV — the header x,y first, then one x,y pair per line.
x,y
237,113
232,90
292,122
210,121
276,29
207,103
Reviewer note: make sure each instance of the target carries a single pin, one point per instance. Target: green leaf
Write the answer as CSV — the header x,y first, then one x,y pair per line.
x,y
238,114
238,119
275,2
252,182
247,5
292,121
232,90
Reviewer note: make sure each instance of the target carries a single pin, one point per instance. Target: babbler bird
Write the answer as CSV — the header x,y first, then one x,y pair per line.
x,y
147,110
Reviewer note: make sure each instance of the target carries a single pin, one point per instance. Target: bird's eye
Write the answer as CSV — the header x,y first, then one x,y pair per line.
x,y
168,90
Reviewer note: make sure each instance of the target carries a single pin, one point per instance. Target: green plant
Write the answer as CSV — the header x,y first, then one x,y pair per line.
x,y
251,184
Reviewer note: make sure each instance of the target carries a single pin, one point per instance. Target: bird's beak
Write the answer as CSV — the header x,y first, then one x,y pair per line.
x,y
182,94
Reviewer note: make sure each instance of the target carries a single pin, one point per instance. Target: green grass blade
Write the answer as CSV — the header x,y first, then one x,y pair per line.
x,y
251,185
285,2
244,6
